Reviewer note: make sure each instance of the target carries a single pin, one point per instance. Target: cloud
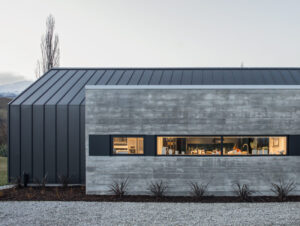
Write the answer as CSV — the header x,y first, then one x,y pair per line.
x,y
8,77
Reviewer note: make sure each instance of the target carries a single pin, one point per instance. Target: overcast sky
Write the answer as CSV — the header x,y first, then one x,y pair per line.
x,y
95,33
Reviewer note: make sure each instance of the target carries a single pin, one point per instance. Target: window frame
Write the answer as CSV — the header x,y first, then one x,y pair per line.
x,y
222,141
125,136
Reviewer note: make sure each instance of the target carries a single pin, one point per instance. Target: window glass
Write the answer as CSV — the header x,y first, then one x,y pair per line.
x,y
243,145
128,145
188,145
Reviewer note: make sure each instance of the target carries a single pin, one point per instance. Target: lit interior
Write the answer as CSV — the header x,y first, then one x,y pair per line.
x,y
254,145
128,145
211,145
188,145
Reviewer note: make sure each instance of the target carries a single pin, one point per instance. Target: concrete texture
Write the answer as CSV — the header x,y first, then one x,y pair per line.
x,y
198,112
221,173
93,213
193,111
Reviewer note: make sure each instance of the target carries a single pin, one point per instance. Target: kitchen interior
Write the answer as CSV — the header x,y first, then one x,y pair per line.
x,y
232,145
128,145
189,145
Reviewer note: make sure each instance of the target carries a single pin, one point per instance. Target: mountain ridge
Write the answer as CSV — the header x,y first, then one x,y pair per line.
x,y
14,89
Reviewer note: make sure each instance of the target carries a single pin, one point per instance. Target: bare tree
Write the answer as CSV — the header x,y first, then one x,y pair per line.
x,y
50,49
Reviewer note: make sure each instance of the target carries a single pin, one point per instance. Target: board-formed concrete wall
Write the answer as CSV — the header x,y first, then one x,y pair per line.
x,y
192,112
178,172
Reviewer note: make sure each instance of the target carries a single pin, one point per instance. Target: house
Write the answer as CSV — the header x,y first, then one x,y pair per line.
x,y
219,125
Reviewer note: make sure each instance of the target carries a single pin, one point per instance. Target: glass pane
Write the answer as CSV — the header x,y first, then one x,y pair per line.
x,y
128,145
188,145
243,145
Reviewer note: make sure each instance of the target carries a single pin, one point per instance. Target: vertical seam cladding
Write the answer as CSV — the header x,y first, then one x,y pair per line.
x,y
161,76
32,165
130,77
20,118
114,71
282,76
142,74
24,91
117,82
68,105
150,77
67,127
68,140
192,74
295,81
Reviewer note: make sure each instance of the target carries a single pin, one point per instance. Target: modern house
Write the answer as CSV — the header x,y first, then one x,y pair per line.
x,y
217,125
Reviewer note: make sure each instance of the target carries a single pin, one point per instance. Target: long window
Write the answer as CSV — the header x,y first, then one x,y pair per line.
x,y
254,145
221,145
128,145
189,145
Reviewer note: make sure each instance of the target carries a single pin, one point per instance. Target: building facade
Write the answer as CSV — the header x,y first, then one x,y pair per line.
x,y
219,135
178,125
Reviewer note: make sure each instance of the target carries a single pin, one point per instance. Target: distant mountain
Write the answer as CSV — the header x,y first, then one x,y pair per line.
x,y
14,89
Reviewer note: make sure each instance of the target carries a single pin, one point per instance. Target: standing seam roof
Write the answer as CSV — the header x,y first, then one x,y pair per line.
x,y
66,85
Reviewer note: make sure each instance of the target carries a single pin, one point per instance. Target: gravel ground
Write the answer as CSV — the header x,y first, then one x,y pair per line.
x,y
101,213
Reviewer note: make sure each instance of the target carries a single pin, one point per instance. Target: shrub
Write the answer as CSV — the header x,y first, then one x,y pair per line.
x,y
119,188
17,181
64,180
3,150
42,183
198,190
243,192
282,189
158,189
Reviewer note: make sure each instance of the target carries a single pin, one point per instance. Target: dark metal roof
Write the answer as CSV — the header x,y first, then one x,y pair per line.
x,y
65,86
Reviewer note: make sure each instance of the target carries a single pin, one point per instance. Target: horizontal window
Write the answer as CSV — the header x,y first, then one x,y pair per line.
x,y
189,145
245,145
221,145
128,145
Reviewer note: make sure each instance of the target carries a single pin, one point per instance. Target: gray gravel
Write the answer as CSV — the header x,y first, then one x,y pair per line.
x,y
101,213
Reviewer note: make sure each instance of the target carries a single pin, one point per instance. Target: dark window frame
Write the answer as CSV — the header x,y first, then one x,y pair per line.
x,y
222,139
125,136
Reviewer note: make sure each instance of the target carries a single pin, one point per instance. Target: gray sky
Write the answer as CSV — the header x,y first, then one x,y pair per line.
x,y
96,33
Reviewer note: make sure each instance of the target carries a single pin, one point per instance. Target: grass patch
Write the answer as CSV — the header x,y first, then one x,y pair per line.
x,y
3,171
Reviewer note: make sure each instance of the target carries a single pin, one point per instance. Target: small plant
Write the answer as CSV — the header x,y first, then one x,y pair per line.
x,y
64,180
29,193
282,189
119,188
158,189
243,192
58,195
198,190
17,181
42,183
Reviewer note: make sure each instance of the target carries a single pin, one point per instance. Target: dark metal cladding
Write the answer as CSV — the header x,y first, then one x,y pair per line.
x,y
46,121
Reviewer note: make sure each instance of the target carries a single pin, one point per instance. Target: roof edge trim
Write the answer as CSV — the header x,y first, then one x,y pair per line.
x,y
175,68
171,87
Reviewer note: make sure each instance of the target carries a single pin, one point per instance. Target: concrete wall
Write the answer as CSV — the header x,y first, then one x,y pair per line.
x,y
178,172
191,111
